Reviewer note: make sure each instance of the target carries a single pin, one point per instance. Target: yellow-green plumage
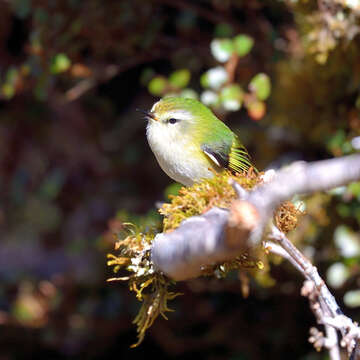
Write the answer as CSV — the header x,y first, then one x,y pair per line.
x,y
188,139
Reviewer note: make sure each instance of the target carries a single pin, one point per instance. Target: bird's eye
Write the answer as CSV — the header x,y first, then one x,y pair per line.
x,y
173,121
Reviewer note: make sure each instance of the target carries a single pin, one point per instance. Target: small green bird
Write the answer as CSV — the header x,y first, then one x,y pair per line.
x,y
188,140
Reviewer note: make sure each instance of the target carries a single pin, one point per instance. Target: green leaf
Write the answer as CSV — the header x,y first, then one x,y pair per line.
x,y
232,97
347,241
232,91
336,141
209,97
261,86
337,274
204,80
8,90
217,77
180,78
60,63
157,85
243,44
354,189
352,298
222,49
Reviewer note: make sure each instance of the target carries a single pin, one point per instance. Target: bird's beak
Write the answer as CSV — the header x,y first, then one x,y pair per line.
x,y
148,114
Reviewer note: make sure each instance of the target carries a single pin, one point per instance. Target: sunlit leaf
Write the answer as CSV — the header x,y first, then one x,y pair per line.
x,y
8,90
221,49
337,274
232,97
261,86
157,85
60,63
347,241
209,97
243,44
216,77
352,298
180,78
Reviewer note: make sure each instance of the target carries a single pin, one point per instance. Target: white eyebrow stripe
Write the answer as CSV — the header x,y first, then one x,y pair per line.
x,y
179,115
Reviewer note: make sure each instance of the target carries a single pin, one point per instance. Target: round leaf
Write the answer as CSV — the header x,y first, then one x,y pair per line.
x,y
232,97
256,109
60,63
352,298
217,77
180,78
261,86
243,44
8,90
204,80
209,97
337,274
157,85
222,49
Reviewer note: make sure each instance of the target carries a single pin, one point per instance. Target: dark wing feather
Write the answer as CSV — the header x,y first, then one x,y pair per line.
x,y
217,155
228,155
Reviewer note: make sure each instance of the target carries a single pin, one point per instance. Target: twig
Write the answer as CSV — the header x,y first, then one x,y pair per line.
x,y
322,303
309,271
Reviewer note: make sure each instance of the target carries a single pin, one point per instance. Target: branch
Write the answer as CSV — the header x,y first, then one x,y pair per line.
x,y
220,235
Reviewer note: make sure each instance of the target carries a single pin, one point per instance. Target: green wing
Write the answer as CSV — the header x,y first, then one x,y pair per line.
x,y
239,158
228,153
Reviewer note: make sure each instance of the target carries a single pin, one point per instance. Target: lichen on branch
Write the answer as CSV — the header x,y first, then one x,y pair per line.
x,y
152,287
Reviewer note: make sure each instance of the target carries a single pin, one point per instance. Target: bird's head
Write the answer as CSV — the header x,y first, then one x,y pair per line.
x,y
178,119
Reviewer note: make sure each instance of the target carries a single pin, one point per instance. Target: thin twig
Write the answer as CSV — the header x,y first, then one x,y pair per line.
x,y
322,302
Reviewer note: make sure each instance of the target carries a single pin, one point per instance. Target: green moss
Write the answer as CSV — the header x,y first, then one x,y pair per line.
x,y
201,197
152,288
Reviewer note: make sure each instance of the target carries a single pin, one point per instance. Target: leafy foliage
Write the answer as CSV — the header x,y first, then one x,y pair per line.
x,y
221,89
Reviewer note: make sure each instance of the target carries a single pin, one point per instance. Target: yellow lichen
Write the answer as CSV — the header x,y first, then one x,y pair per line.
x,y
200,197
154,304
286,216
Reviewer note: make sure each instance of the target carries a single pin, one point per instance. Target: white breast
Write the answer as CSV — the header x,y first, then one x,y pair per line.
x,y
176,156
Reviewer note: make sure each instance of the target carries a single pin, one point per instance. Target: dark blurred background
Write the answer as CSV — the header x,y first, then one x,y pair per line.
x,y
75,164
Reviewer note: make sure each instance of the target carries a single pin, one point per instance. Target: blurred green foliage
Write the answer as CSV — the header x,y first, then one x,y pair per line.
x,y
75,165
221,91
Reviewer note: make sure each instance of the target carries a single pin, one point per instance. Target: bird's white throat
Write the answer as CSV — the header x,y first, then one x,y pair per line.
x,y
179,158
